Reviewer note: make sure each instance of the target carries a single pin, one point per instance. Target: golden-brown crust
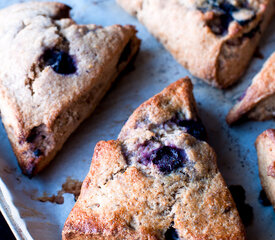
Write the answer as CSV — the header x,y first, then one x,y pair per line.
x,y
161,107
83,223
41,108
125,198
262,87
182,29
265,146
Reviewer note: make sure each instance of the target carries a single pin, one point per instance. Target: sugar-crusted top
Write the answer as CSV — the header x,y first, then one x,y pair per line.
x,y
37,41
53,73
155,182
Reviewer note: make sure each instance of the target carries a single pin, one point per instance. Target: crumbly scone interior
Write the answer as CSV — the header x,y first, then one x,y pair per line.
x,y
133,189
41,103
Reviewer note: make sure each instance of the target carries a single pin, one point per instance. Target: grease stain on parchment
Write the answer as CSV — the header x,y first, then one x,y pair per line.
x,y
71,186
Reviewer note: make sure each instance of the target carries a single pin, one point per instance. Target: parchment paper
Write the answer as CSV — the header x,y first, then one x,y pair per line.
x,y
154,69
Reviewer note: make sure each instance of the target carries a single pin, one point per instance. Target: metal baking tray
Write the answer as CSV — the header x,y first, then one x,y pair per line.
x,y
153,70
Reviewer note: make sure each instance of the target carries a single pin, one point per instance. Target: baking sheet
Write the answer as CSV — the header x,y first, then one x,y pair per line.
x,y
153,70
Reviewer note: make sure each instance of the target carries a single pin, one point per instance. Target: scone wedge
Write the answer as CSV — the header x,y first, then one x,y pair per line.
x,y
265,145
53,74
158,180
215,40
258,101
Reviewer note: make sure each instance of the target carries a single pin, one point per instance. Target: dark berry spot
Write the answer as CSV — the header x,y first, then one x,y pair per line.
x,y
220,23
60,61
37,152
168,159
32,135
225,13
227,7
245,210
263,199
194,128
171,234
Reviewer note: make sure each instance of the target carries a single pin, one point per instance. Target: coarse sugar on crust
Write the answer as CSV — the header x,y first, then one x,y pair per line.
x,y
53,74
157,180
214,40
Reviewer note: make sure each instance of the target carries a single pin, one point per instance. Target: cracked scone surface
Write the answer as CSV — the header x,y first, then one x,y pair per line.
x,y
265,146
53,75
258,101
157,181
225,32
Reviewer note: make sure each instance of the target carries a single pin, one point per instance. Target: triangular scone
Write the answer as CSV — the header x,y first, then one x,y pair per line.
x,y
53,74
258,101
214,39
265,145
156,181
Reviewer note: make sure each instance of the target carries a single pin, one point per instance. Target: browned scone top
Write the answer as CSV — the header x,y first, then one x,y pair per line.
x,y
265,145
258,102
156,180
53,74
214,40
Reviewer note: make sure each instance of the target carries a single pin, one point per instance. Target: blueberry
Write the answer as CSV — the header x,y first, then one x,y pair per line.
x,y
263,199
168,159
171,234
60,61
194,128
222,19
223,15
228,8
219,24
32,135
37,152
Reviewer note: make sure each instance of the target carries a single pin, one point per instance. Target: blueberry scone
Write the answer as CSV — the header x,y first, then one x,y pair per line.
x,y
258,101
53,74
265,145
214,39
158,180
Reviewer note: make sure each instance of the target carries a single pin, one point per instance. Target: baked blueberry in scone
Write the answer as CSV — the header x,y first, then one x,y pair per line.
x,y
158,180
214,39
265,145
258,101
53,74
